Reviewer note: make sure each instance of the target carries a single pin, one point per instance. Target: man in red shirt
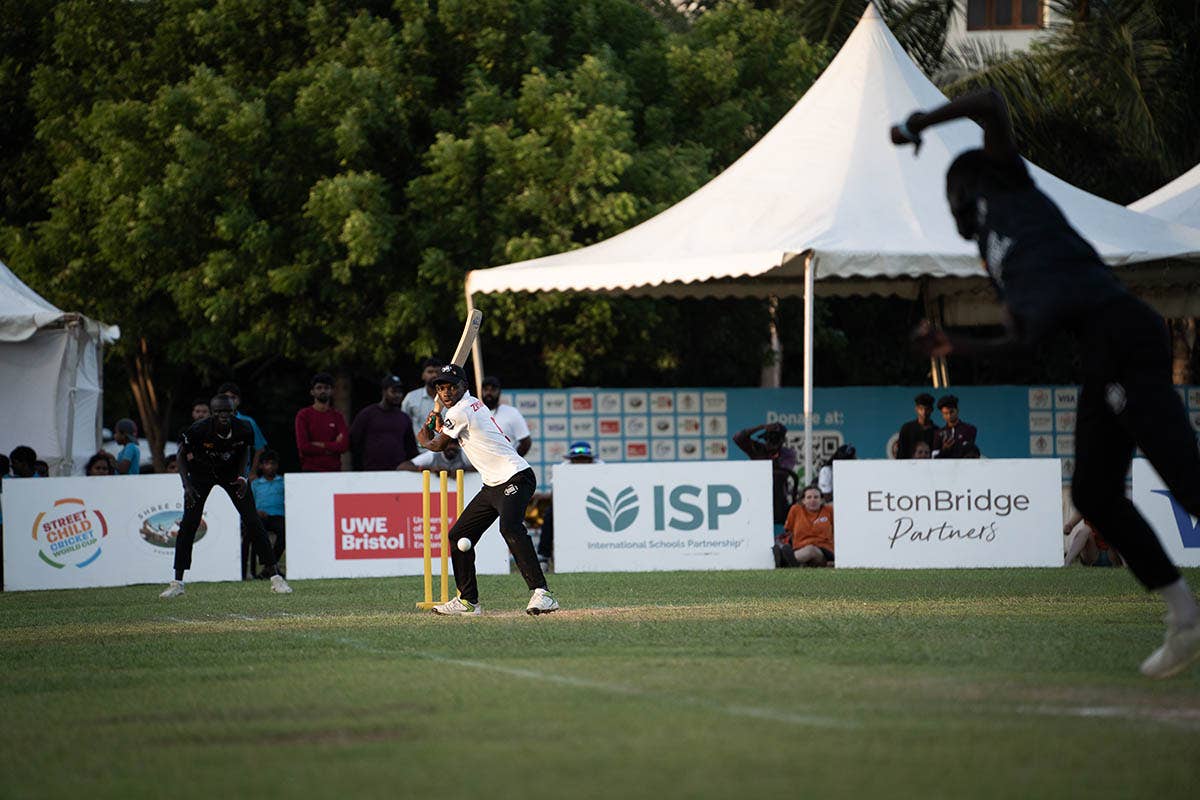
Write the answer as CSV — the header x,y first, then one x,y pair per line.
x,y
321,432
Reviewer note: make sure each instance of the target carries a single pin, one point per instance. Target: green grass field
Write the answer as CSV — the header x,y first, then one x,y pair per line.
x,y
812,683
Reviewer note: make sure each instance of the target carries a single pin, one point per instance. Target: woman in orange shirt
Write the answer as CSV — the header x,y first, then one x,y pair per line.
x,y
809,528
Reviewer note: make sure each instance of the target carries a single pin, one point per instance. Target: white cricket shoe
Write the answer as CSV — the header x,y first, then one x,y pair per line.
x,y
279,585
174,589
457,607
541,603
1180,649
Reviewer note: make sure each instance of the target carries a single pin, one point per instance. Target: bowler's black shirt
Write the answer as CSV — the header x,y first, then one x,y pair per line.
x,y
1047,275
217,458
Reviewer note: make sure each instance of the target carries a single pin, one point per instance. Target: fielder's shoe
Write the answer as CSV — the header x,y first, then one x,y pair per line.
x,y
457,607
279,585
174,589
1180,649
541,603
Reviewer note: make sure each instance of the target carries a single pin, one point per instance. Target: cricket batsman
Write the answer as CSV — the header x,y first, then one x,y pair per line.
x,y
508,485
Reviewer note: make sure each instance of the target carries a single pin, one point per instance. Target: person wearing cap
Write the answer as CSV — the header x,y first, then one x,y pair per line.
x,y
419,402
957,438
381,436
577,453
321,432
916,430
506,416
508,485
129,460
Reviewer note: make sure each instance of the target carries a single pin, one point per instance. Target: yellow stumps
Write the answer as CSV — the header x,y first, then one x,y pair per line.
x,y
426,544
444,494
427,529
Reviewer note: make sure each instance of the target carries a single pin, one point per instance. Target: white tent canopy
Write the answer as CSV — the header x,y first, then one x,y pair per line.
x,y
825,197
50,377
826,180
1178,201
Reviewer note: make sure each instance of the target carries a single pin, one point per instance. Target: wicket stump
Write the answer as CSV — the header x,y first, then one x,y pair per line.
x,y
444,531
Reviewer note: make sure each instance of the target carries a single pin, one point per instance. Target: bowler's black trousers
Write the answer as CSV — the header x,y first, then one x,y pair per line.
x,y
507,501
193,511
1127,400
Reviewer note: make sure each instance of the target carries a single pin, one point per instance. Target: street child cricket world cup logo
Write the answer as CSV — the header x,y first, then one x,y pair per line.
x,y
613,515
69,534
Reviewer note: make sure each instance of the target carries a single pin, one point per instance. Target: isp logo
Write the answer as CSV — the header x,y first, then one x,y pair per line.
x,y
612,515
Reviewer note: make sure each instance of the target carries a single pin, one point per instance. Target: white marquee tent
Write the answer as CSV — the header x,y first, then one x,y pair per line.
x,y
824,199
1178,201
50,377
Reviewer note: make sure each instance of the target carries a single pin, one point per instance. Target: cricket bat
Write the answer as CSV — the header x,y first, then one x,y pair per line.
x,y
470,331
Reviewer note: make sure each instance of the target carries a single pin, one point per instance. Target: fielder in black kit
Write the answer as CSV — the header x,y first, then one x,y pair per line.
x,y
1050,280
216,452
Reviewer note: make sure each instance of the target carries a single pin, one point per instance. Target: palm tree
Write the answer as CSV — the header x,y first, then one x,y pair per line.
x,y
1110,98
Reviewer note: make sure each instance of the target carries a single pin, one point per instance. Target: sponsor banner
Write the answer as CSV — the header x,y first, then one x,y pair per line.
x,y
1178,530
952,513
370,524
663,516
72,533
642,424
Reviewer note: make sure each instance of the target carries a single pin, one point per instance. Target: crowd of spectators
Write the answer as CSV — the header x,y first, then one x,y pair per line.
x,y
382,437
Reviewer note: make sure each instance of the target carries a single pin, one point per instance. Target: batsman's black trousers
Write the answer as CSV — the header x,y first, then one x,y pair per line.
x,y
1127,400
507,501
193,510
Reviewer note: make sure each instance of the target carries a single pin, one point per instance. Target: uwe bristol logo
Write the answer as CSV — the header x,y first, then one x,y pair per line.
x,y
613,515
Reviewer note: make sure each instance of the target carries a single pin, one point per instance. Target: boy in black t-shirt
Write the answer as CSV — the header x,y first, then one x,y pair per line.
x,y
216,452
1050,280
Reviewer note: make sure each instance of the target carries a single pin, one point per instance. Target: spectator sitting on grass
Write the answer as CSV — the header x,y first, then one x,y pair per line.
x,y
808,541
1085,543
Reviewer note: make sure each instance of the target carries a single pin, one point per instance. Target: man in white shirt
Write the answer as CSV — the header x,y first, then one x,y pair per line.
x,y
419,402
508,484
450,459
507,417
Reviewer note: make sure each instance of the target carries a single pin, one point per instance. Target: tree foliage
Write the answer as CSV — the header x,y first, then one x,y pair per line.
x,y
235,181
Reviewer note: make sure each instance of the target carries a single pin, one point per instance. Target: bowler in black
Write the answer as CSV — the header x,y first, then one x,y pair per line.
x,y
1049,280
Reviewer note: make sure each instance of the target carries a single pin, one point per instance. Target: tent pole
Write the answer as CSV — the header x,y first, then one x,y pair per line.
x,y
937,364
75,332
772,374
945,362
808,366
476,350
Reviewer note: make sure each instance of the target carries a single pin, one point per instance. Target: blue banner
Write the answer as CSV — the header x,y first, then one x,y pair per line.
x,y
694,424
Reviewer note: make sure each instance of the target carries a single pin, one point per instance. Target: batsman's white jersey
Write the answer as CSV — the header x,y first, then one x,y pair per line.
x,y
471,423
